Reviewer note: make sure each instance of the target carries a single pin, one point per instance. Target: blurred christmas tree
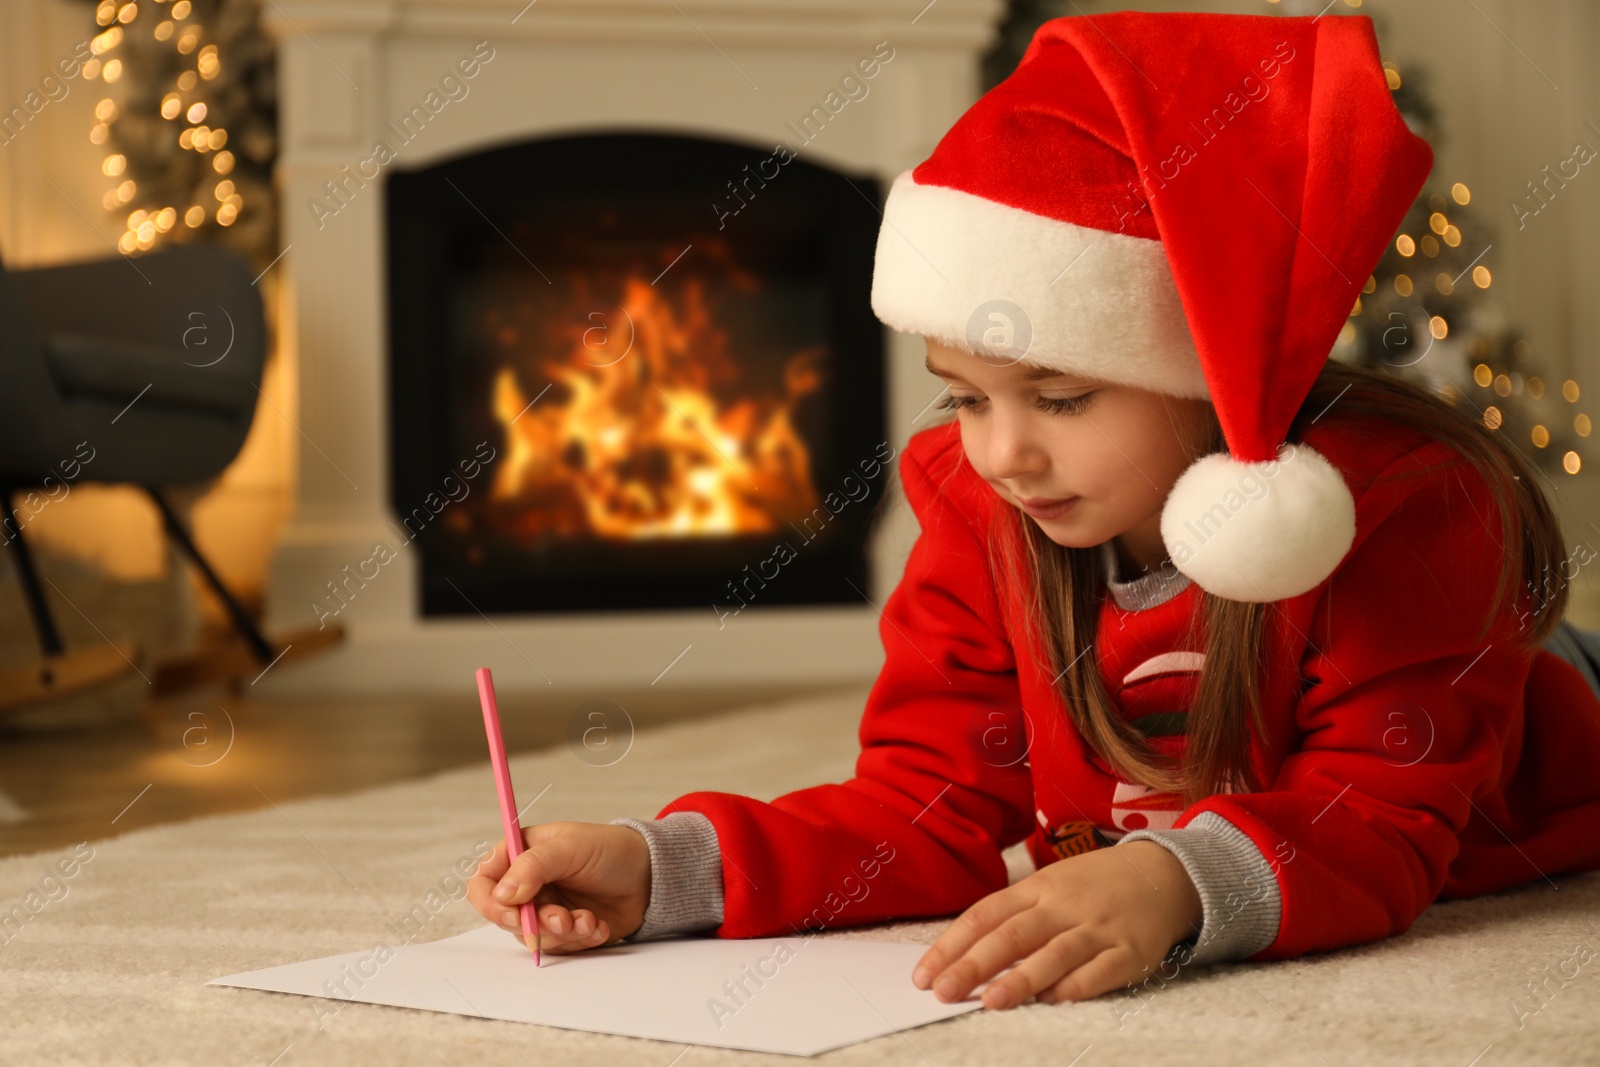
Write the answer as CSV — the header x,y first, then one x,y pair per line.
x,y
1425,314
189,121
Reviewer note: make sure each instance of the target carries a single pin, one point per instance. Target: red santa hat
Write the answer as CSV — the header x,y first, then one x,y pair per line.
x,y
1189,203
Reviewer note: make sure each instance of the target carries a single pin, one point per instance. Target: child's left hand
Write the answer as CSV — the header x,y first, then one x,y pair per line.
x,y
1082,926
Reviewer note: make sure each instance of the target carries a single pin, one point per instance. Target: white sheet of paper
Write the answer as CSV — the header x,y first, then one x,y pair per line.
x,y
793,995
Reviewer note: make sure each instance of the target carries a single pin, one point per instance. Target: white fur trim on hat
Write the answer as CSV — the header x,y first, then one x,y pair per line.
x,y
951,265
1259,531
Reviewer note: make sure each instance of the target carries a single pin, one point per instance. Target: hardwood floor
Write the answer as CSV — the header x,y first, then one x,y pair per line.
x,y
210,751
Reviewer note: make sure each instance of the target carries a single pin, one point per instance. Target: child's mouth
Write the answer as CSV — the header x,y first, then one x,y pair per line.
x,y
1048,509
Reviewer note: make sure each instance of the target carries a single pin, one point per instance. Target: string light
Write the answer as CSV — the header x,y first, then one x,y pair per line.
x,y
1436,261
146,227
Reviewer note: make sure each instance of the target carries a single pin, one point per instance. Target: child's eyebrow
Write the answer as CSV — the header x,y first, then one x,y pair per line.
x,y
1029,376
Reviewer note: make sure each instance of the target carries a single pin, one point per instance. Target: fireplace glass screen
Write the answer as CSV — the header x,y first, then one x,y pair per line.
x,y
634,372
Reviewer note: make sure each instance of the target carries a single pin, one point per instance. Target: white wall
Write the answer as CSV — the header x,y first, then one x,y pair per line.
x,y
36,221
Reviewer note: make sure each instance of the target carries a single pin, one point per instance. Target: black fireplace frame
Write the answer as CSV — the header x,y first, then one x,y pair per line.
x,y
437,214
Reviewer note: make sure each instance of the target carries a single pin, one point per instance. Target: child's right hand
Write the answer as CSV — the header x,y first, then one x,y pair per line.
x,y
591,884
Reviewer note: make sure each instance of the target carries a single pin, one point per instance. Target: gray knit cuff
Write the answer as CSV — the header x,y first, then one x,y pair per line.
x,y
685,874
1238,888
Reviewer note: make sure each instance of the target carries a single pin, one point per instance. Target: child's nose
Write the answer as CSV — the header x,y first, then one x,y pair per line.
x,y
1014,451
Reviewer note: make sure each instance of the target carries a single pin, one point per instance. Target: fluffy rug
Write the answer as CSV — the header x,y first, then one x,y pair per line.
x,y
108,964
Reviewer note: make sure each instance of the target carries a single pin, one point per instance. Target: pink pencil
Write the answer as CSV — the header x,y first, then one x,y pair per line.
x,y
508,803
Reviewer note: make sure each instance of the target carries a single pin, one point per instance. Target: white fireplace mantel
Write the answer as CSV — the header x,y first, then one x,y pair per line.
x,y
735,69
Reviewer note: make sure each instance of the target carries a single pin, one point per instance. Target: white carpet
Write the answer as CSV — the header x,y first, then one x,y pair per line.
x,y
112,971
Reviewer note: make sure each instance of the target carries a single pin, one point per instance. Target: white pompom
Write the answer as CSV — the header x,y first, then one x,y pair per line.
x,y
1259,531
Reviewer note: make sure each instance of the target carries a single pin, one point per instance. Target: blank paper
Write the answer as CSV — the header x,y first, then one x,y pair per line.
x,y
794,995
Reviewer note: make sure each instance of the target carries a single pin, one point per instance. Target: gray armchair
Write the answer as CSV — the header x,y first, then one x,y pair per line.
x,y
125,369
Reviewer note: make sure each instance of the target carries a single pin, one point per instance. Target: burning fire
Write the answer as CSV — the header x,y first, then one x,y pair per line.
x,y
632,441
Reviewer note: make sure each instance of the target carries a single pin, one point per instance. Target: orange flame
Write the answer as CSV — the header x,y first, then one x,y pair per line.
x,y
637,445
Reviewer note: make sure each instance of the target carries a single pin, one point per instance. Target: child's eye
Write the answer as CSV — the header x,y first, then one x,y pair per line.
x,y
1065,404
1057,405
956,403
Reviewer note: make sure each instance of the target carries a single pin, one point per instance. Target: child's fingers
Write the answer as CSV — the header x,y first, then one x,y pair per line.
x,y
965,931
1112,969
1019,936
556,920
599,934
559,927
480,886
1061,955
494,864
555,926
547,861
583,931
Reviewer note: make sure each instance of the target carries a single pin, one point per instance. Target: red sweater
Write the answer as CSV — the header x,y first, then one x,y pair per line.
x,y
1405,760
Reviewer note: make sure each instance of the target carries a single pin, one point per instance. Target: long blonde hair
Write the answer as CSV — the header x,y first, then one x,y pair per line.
x,y
1062,601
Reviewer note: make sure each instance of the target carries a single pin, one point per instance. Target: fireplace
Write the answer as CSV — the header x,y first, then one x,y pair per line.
x,y
626,370
610,173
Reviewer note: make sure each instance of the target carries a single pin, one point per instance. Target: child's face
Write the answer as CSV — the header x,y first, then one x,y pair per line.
x,y
1117,448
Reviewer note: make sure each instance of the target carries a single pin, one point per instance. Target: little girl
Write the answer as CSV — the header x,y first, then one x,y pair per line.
x,y
1259,653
